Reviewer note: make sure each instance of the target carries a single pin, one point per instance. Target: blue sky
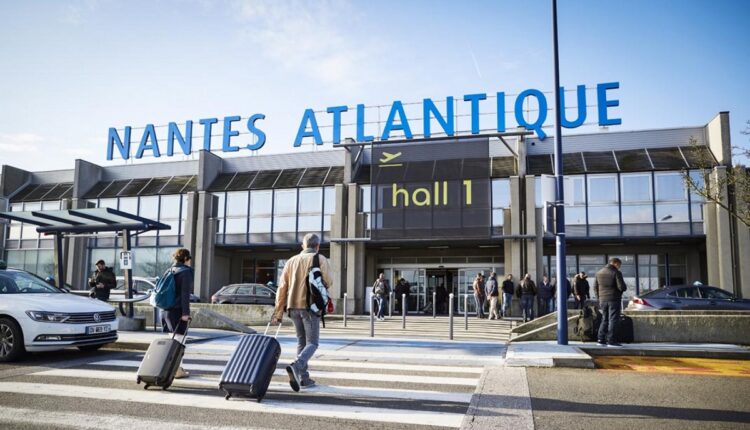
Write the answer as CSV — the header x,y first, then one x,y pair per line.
x,y
72,69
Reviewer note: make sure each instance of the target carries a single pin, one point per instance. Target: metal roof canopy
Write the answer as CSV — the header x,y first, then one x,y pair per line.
x,y
96,220
84,221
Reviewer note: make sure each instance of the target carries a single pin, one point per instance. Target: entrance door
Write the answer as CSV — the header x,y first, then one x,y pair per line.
x,y
417,290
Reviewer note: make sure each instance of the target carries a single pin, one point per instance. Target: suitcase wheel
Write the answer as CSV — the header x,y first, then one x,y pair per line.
x,y
259,399
165,387
227,396
145,387
138,381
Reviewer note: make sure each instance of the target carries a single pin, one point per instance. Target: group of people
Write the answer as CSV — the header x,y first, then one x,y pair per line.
x,y
488,291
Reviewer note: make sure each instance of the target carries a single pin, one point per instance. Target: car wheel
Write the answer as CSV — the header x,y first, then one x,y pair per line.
x,y
91,347
11,341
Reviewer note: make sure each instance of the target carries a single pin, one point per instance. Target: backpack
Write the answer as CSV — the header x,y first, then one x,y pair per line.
x,y
165,295
587,325
317,293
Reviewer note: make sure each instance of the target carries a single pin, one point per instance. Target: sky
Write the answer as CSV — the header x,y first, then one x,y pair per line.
x,y
70,70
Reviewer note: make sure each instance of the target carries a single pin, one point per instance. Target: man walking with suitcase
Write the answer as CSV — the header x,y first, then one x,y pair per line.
x,y
609,287
292,296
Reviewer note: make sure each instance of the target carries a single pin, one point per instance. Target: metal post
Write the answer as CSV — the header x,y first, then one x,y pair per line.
x,y
128,272
372,317
434,304
345,309
562,306
403,311
450,316
466,312
390,304
59,260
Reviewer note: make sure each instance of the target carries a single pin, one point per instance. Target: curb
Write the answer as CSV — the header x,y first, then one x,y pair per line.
x,y
678,353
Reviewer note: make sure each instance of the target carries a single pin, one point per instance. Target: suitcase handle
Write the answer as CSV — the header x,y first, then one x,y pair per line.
x,y
265,333
184,336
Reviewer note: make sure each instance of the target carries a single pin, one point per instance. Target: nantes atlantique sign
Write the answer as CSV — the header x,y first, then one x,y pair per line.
x,y
181,139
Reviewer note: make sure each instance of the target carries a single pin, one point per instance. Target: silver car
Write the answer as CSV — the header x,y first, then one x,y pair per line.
x,y
688,297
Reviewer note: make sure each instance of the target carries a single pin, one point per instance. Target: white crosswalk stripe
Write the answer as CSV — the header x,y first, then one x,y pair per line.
x,y
409,383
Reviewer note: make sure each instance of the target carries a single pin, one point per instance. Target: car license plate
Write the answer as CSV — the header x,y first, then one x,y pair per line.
x,y
96,329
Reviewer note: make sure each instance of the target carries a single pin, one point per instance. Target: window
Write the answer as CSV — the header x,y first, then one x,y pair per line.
x,y
129,205
604,215
685,293
150,207
602,189
237,204
263,291
636,188
260,203
285,202
310,200
715,293
500,193
244,291
670,187
574,190
637,214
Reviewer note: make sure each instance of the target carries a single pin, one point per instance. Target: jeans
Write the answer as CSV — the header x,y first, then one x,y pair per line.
x,y
480,305
493,307
610,316
527,304
542,306
307,327
507,302
551,304
382,305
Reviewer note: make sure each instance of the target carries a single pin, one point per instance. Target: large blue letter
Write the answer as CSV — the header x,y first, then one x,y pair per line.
x,y
361,137
448,122
603,103
501,112
396,108
186,142
474,99
207,123
229,133
314,132
148,134
536,125
256,131
581,94
336,111
114,139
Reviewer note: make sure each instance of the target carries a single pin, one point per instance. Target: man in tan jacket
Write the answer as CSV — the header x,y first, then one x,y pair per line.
x,y
292,296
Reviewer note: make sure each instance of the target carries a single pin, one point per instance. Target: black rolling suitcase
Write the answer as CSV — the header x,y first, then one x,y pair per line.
x,y
250,368
161,362
624,330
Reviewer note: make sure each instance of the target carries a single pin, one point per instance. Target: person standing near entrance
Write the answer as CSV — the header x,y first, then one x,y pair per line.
x,y
526,291
609,286
400,290
479,295
381,290
581,290
492,290
102,281
545,297
292,297
507,295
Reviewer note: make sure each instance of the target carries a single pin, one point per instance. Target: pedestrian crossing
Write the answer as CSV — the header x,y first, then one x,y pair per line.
x,y
360,382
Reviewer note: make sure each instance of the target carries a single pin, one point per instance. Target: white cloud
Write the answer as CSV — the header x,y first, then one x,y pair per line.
x,y
20,142
308,37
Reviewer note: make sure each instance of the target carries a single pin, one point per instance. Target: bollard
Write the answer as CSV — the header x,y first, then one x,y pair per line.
x,y
403,311
156,317
372,317
344,309
450,316
434,305
390,304
466,312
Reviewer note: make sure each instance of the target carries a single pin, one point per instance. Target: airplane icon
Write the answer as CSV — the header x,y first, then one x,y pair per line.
x,y
388,157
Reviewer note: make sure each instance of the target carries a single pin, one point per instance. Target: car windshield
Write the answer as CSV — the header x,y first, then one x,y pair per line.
x,y
12,282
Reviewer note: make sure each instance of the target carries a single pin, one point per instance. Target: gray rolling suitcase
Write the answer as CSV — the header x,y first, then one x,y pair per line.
x,y
161,362
250,368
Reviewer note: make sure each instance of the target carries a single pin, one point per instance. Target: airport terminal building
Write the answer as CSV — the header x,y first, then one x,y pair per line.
x,y
433,211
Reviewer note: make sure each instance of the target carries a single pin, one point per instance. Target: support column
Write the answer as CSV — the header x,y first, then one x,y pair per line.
x,y
203,241
337,257
719,240
355,253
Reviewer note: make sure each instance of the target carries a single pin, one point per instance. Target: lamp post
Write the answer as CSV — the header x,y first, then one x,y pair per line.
x,y
562,305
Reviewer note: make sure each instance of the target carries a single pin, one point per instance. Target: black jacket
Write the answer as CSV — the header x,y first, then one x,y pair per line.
x,y
508,286
106,277
526,288
581,288
609,284
546,291
184,281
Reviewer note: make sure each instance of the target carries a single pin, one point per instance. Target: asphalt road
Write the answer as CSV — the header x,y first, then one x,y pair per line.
x,y
599,399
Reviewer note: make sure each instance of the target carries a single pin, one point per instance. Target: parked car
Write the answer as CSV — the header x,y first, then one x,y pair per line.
x,y
142,285
35,316
688,297
254,294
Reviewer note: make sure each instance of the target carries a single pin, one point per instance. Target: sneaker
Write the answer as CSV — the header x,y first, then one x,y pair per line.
x,y
181,373
293,377
601,343
614,344
309,383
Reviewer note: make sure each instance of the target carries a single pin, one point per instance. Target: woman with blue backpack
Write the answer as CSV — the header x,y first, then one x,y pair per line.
x,y
176,317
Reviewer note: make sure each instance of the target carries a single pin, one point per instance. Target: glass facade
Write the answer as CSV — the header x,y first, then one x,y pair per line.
x,y
280,216
25,248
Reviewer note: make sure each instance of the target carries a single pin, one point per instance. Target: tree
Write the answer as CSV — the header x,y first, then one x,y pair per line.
x,y
720,187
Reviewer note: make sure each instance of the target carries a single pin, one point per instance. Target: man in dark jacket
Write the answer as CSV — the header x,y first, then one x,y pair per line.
x,y
102,280
545,297
507,295
526,291
581,290
609,286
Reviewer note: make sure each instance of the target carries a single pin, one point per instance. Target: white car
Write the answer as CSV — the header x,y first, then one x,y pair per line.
x,y
36,316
